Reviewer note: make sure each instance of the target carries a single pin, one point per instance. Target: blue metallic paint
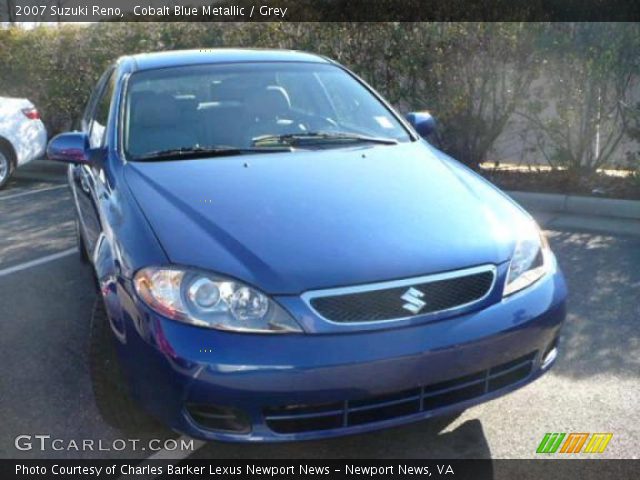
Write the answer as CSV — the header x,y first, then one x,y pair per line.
x,y
252,372
72,147
287,223
152,61
291,223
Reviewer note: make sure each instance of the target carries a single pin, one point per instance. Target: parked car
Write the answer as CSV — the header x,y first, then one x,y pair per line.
x,y
23,136
280,255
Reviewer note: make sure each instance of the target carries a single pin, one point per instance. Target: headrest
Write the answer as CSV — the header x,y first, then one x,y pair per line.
x,y
225,91
270,102
187,103
150,109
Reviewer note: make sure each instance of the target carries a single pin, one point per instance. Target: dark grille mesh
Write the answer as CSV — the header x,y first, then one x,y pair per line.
x,y
376,305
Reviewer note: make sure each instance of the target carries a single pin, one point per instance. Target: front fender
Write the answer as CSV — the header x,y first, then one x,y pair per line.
x,y
107,274
125,244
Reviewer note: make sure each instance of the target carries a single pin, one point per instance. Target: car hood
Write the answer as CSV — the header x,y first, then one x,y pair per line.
x,y
290,222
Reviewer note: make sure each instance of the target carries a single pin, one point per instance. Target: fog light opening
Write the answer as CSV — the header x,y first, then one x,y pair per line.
x,y
219,418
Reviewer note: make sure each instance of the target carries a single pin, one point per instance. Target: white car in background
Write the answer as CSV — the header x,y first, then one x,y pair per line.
x,y
23,136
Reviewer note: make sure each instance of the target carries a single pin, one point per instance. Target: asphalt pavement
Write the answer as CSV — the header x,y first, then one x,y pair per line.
x,y
46,295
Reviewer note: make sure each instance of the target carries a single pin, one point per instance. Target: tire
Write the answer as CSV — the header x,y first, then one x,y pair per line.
x,y
110,391
6,166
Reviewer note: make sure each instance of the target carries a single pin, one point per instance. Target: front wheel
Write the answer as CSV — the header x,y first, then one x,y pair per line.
x,y
109,388
6,166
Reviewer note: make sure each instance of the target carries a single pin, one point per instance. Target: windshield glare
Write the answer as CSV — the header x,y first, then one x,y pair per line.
x,y
235,105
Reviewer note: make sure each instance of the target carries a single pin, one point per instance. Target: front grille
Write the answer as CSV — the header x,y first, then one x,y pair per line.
x,y
385,301
305,418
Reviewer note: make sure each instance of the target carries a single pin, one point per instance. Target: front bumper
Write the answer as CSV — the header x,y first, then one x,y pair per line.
x,y
296,387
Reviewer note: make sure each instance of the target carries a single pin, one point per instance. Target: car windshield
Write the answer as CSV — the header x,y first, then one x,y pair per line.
x,y
236,109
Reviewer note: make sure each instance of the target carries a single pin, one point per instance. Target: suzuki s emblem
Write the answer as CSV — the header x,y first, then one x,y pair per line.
x,y
412,297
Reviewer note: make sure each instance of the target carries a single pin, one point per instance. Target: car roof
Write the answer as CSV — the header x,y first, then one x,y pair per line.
x,y
175,58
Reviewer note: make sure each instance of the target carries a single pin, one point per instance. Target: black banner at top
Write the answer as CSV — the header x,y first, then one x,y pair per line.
x,y
318,10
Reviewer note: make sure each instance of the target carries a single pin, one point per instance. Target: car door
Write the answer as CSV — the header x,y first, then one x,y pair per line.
x,y
89,179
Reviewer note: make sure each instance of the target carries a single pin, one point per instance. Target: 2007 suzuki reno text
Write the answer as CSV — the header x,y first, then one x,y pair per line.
x,y
281,256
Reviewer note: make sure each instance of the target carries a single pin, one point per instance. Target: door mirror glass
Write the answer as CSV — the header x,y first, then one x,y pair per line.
x,y
422,122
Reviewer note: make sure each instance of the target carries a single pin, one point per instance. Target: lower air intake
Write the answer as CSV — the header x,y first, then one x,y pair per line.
x,y
304,418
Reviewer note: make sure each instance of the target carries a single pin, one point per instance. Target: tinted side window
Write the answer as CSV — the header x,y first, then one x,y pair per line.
x,y
100,115
90,107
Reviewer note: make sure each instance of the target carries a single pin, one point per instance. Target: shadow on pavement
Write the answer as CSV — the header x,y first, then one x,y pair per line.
x,y
35,175
36,225
420,440
602,333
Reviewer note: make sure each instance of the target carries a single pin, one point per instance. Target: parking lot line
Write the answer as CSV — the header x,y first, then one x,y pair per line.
x,y
29,192
37,261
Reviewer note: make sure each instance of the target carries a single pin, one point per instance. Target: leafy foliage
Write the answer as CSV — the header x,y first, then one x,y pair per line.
x,y
571,82
580,115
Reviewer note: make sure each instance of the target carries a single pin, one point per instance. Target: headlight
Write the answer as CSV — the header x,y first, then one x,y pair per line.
x,y
530,259
207,300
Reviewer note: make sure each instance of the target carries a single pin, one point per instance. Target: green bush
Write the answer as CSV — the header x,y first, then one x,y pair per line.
x,y
473,77
590,72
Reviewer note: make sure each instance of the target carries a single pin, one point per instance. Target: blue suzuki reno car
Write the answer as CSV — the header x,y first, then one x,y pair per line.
x,y
280,256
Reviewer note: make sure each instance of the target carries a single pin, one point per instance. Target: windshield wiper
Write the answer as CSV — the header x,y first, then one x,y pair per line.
x,y
205,152
310,138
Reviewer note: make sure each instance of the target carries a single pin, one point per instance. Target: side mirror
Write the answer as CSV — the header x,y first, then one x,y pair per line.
x,y
72,147
423,122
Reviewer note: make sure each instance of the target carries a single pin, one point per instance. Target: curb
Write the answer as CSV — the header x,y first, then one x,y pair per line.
x,y
573,204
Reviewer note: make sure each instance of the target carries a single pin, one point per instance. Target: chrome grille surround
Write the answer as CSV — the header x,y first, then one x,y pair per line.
x,y
342,293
